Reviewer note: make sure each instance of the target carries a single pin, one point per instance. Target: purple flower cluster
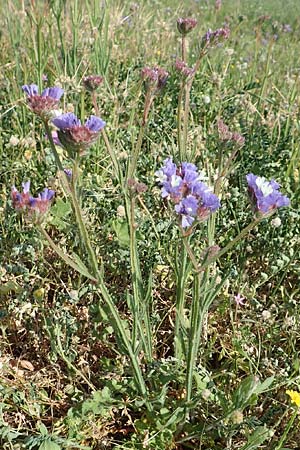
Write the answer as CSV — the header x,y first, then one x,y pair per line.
x,y
42,104
186,25
34,206
183,68
193,199
212,38
264,194
76,137
155,78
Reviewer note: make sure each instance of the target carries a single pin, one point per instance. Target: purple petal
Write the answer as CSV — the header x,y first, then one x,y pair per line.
x,y
66,121
94,123
186,221
53,92
46,195
26,187
32,201
30,89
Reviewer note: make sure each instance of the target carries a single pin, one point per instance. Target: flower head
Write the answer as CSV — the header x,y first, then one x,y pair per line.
x,y
212,38
186,25
239,299
20,200
183,68
264,194
74,136
42,104
155,78
227,136
34,207
42,202
92,82
295,397
182,184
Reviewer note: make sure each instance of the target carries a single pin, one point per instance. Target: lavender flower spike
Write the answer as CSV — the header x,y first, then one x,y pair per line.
x,y
43,104
75,137
183,186
265,195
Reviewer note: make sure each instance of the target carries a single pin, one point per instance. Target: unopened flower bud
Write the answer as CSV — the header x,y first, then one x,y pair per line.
x,y
92,82
186,25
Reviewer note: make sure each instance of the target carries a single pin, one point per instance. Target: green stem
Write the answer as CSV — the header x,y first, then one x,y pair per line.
x,y
119,328
287,429
179,114
76,207
52,145
136,152
139,380
180,302
141,323
39,52
183,48
84,234
186,114
197,314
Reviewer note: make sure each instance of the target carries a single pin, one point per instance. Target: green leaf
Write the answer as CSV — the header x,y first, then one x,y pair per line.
x,y
257,438
59,212
262,387
61,209
244,392
120,227
11,285
49,445
42,429
81,266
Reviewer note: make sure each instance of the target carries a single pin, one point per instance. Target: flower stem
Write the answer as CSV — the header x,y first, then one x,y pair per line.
x,y
181,278
287,429
52,145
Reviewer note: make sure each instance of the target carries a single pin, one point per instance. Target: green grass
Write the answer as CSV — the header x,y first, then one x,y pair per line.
x,y
65,378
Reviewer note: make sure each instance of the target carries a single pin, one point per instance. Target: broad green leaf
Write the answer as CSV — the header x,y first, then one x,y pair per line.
x,y
61,209
59,212
120,227
257,438
49,445
244,392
